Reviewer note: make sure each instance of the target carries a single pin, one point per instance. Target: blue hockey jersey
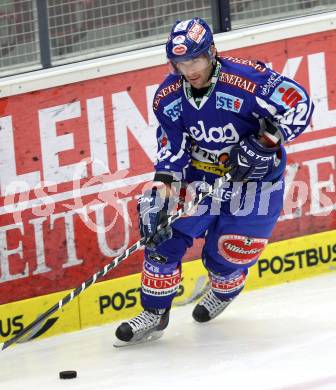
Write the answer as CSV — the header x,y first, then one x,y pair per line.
x,y
242,94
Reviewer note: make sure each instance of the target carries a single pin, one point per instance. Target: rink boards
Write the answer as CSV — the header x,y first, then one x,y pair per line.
x,y
116,299
77,146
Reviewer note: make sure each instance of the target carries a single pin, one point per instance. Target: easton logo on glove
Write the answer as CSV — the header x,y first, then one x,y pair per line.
x,y
250,160
253,154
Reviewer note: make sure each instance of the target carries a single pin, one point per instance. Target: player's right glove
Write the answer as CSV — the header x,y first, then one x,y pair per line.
x,y
153,211
250,160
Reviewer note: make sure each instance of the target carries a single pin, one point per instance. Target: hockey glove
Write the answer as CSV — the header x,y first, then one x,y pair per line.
x,y
152,209
250,160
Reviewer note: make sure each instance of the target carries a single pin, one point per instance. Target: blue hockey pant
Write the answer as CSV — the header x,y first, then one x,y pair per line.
x,y
234,240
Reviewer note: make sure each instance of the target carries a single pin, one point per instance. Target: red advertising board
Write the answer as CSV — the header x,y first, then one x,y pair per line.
x,y
74,159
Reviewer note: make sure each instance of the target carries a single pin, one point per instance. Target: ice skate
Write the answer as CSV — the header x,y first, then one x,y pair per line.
x,y
209,307
147,326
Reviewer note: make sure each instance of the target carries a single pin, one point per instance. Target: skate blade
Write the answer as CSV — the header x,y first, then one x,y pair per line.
x,y
147,338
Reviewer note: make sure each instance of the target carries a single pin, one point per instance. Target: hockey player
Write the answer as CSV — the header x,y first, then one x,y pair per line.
x,y
216,115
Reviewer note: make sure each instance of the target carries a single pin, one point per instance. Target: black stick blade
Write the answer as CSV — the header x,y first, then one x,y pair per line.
x,y
33,333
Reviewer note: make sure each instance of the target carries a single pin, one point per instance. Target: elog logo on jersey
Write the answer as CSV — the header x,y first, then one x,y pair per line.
x,y
174,109
228,102
227,133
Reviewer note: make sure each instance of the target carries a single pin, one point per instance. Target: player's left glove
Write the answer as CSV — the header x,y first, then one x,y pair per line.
x,y
153,211
250,160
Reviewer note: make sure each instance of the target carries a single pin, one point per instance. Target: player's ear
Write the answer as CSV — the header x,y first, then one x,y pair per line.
x,y
213,50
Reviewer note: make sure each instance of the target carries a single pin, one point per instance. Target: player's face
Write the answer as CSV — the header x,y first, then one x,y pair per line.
x,y
196,71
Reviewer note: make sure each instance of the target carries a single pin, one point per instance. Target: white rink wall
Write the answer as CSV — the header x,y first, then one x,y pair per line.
x,y
146,58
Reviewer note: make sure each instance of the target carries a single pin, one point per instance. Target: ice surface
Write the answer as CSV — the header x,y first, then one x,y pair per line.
x,y
279,338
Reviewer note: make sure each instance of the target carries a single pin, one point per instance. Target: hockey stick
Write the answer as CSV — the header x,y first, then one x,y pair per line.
x,y
41,324
201,287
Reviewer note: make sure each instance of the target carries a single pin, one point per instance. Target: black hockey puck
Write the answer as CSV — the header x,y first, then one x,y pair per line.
x,y
68,374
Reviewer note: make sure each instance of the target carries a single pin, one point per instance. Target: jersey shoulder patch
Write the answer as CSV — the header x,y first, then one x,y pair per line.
x,y
246,63
243,74
237,81
171,86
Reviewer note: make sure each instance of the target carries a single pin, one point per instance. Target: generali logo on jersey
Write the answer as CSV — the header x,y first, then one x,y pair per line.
x,y
166,91
238,81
